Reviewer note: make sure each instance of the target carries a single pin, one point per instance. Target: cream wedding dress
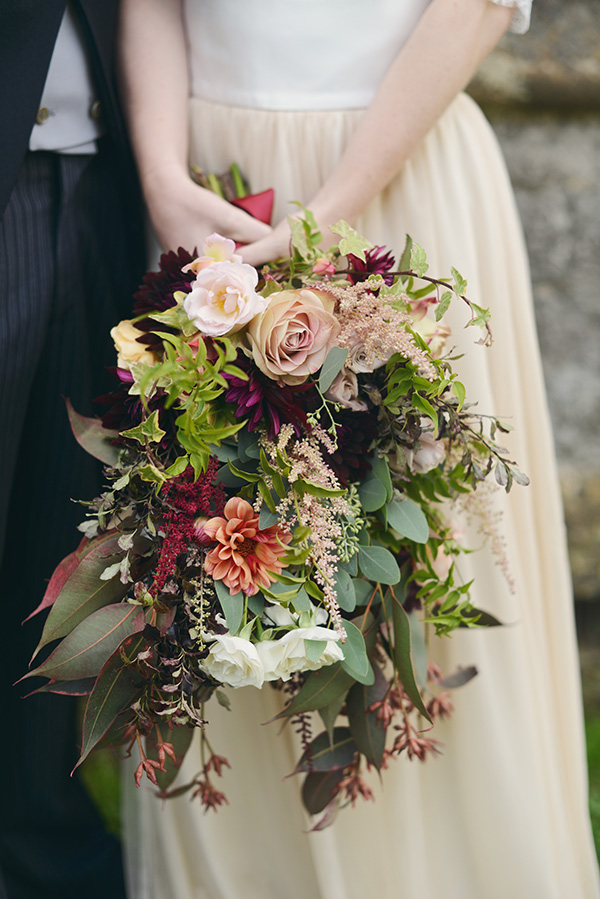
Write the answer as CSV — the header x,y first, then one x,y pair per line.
x,y
277,86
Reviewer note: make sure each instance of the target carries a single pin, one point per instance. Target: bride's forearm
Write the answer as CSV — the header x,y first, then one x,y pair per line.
x,y
451,40
154,84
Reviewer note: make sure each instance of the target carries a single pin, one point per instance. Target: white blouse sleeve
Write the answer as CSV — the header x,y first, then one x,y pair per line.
x,y
520,22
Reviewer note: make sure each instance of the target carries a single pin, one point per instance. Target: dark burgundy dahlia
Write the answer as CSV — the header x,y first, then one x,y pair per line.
x,y
262,399
157,289
378,261
352,458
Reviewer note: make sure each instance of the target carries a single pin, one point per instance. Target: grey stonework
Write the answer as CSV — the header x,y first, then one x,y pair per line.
x,y
541,92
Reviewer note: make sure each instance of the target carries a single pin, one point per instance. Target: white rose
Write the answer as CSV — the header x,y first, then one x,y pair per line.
x,y
362,361
223,298
344,391
430,454
281,658
234,661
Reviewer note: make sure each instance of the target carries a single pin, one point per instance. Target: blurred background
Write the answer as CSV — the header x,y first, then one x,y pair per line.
x,y
541,93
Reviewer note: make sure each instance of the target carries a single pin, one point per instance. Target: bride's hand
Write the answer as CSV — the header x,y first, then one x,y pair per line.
x,y
277,244
183,214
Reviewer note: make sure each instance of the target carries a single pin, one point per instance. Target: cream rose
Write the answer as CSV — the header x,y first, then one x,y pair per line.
x,y
429,455
129,351
214,249
344,391
291,339
223,298
281,658
234,661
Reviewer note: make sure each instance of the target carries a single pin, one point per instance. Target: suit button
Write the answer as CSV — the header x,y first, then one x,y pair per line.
x,y
43,114
96,110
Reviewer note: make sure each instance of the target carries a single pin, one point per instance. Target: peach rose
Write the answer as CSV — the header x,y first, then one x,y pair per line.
x,y
214,249
292,337
129,351
223,298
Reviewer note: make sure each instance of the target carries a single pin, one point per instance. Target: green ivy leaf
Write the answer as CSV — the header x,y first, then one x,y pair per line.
x,y
351,241
418,260
149,431
443,305
480,317
460,285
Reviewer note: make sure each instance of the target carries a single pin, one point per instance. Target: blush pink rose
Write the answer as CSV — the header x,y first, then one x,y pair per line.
x,y
223,298
292,337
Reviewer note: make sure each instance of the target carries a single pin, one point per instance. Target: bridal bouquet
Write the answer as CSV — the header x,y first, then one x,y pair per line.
x,y
281,451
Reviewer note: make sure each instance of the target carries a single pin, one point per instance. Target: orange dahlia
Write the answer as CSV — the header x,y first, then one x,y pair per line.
x,y
245,558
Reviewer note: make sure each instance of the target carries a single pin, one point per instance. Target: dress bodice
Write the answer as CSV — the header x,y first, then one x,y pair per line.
x,y
300,54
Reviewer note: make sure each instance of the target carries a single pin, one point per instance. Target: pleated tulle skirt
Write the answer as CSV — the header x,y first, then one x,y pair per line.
x,y
503,812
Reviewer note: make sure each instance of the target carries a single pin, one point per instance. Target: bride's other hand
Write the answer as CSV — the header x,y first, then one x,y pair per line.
x,y
155,88
277,244
183,214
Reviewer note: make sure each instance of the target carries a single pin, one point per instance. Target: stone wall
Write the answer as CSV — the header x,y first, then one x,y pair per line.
x,y
541,92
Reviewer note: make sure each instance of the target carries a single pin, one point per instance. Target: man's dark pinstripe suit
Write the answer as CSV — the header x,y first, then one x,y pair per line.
x,y
70,254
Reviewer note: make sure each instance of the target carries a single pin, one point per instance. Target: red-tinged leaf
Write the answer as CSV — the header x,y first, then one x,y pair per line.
x,y
92,437
180,738
83,592
114,690
328,755
67,688
327,819
318,789
85,650
368,732
259,206
60,576
402,659
319,689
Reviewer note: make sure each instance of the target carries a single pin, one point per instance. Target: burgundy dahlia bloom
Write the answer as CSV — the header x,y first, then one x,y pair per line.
x,y
262,399
378,261
156,291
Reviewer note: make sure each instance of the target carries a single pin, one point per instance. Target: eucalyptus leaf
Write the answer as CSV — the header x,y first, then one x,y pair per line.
x,y
328,755
233,606
318,789
372,494
331,368
314,649
368,732
408,519
356,661
378,564
344,586
402,657
319,689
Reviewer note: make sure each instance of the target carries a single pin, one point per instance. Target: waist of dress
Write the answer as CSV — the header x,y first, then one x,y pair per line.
x,y
273,101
